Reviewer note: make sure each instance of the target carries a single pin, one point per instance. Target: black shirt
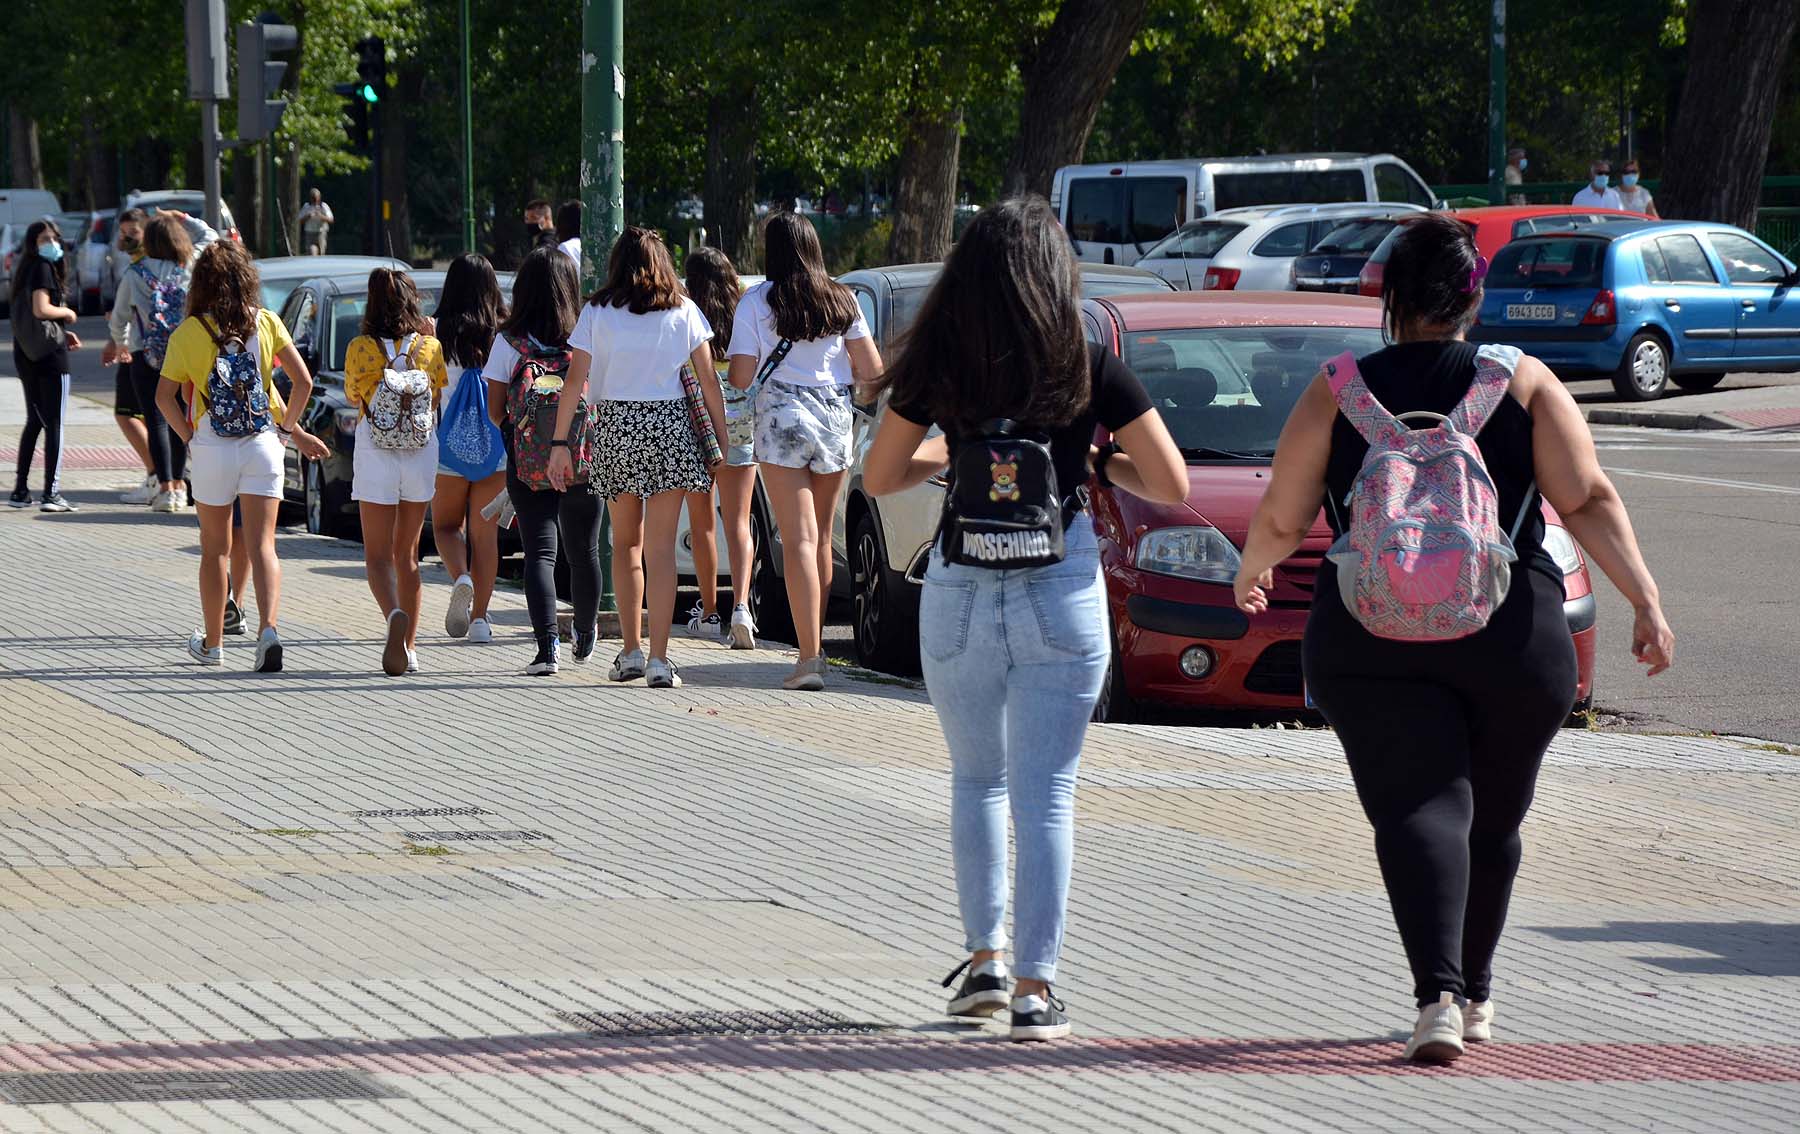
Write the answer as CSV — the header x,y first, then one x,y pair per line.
x,y
1435,376
1118,400
38,276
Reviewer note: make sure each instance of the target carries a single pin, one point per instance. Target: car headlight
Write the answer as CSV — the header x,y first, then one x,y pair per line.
x,y
1189,553
1561,546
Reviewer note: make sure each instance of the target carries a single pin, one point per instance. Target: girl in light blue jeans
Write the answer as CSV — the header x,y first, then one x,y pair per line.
x,y
1014,657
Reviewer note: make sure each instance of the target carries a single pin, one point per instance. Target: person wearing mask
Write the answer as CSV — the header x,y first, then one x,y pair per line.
x,y
540,228
469,313
127,249
1444,737
224,357
42,340
634,336
144,315
393,374
802,335
315,224
568,230
1596,194
1514,175
1633,196
713,285
1014,658
530,360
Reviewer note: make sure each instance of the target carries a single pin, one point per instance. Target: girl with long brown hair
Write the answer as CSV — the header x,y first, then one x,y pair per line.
x,y
40,318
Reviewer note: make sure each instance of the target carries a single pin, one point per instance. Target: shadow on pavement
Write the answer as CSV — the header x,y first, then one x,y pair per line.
x,y
1738,948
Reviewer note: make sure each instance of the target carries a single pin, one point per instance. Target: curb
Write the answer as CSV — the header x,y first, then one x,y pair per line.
x,y
1662,419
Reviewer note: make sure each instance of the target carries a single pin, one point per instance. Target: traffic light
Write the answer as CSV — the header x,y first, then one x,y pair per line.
x,y
259,77
356,115
371,69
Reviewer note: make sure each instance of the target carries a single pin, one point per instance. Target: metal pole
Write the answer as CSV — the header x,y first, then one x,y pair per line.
x,y
209,157
1497,103
468,140
602,170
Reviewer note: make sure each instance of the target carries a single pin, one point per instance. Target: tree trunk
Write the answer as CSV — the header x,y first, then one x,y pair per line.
x,y
102,164
287,195
1067,75
1737,50
925,197
27,162
730,195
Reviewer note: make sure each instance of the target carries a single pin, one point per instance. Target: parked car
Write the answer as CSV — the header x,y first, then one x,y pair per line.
x,y
1336,262
189,201
1114,213
22,206
1646,304
96,284
1494,227
1224,371
1252,249
12,238
280,275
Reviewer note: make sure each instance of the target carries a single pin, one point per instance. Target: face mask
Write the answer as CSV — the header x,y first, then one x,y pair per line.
x,y
1600,180
1629,180
51,252
129,243
1523,162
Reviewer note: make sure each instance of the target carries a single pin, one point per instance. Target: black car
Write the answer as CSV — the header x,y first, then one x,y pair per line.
x,y
1336,262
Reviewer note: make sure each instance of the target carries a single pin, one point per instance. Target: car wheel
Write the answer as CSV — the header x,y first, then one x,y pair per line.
x,y
886,639
1643,372
1115,705
768,591
1699,383
1578,716
313,485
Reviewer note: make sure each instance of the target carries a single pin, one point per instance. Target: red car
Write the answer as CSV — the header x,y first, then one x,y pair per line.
x,y
1224,369
1495,227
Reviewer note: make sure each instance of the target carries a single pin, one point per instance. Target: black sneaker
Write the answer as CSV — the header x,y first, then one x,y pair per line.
x,y
55,503
1038,1018
983,994
545,663
20,498
234,617
584,646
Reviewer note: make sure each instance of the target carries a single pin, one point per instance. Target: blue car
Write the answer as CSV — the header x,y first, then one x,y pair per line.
x,y
1645,304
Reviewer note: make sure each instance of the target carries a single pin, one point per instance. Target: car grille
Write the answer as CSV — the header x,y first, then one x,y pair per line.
x,y
1277,672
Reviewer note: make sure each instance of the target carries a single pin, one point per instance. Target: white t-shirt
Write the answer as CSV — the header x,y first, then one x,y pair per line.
x,y
1637,199
572,249
815,362
637,358
1607,198
501,361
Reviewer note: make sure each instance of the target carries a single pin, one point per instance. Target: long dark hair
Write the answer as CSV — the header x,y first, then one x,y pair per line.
x,y
568,220
393,311
806,301
640,276
225,288
471,309
713,285
29,258
546,297
1430,276
999,334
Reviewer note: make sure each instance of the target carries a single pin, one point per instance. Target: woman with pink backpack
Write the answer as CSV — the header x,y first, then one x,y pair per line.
x,y
1437,645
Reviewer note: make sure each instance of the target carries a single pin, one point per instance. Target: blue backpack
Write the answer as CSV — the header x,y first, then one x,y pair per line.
x,y
167,298
469,443
236,399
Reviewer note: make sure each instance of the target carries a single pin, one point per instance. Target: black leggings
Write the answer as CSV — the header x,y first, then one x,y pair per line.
x,y
541,515
168,453
46,400
1444,742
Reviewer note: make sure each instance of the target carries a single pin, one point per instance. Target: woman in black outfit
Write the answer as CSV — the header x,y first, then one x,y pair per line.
x,y
1444,739
39,290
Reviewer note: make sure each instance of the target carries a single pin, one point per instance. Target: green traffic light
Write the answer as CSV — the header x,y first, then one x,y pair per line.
x,y
368,92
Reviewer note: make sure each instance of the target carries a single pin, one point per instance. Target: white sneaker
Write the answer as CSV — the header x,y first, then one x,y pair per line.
x,y
268,651
628,666
1438,1036
412,660
702,624
182,503
481,631
198,650
808,676
742,634
164,502
662,674
462,598
143,493
1478,1021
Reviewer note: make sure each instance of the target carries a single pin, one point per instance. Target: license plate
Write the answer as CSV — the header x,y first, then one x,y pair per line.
x,y
1536,312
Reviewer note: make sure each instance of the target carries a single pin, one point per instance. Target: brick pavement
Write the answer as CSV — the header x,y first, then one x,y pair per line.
x,y
388,899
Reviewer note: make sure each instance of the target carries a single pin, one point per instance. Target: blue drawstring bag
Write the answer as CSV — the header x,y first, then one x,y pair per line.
x,y
469,443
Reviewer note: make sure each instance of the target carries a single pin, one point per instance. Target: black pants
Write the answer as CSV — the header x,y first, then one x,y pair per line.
x,y
545,518
1444,741
46,400
168,453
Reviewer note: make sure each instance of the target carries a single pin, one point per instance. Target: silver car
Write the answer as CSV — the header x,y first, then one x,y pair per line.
x,y
1253,248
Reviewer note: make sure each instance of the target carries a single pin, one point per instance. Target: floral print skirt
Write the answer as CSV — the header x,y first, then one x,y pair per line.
x,y
646,449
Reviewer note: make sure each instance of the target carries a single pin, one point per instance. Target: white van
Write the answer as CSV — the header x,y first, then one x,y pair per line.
x,y
22,206
1114,213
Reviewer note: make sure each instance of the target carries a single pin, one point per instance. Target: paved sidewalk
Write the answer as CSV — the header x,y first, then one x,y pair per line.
x,y
332,901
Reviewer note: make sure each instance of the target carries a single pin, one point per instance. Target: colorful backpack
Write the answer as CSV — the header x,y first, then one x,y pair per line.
x,y
469,444
400,407
1422,558
531,404
168,297
237,401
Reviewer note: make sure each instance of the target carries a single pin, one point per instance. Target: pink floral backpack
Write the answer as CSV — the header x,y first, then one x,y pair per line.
x,y
1422,557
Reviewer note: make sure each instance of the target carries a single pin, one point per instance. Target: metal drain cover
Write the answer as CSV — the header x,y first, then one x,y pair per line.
x,y
815,1022
419,813
473,836
62,1088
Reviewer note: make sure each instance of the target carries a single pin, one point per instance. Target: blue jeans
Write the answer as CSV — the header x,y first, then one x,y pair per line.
x,y
1014,661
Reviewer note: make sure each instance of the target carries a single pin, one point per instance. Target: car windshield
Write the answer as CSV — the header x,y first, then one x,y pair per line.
x,y
74,226
1200,240
1225,392
1572,261
1358,237
347,314
275,292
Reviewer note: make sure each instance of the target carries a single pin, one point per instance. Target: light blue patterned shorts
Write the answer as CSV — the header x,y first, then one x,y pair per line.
x,y
803,427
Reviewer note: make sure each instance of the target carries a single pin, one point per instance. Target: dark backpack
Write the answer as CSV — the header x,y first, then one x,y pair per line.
x,y
1003,508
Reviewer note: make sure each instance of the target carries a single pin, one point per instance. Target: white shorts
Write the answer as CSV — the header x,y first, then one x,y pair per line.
x,y
389,476
224,468
803,427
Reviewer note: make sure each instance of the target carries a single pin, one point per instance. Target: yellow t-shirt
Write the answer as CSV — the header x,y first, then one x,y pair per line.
x,y
367,358
189,359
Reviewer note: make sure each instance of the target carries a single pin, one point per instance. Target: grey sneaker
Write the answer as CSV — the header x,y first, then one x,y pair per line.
x,y
462,599
808,676
268,652
662,674
198,650
628,666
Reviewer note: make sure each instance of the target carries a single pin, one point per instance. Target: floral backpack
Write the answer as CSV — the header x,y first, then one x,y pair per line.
x,y
531,405
168,297
237,401
1422,557
400,408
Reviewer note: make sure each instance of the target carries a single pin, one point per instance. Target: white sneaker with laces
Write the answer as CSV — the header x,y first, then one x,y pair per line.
x,y
462,598
703,625
628,666
268,651
198,650
164,502
481,631
1438,1035
742,633
412,660
181,497
1478,1021
662,674
143,493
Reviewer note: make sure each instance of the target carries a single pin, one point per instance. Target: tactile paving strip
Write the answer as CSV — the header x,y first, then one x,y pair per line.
x,y
61,1088
816,1022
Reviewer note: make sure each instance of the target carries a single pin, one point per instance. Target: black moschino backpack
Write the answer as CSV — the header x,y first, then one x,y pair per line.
x,y
1003,508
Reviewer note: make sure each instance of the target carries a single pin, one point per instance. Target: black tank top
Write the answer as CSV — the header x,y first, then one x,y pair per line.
x,y
1435,376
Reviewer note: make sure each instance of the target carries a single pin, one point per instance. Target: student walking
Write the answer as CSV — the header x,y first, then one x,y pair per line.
x,y
801,336
1445,674
527,369
634,336
1013,632
712,283
223,357
393,373
127,249
42,341
471,469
